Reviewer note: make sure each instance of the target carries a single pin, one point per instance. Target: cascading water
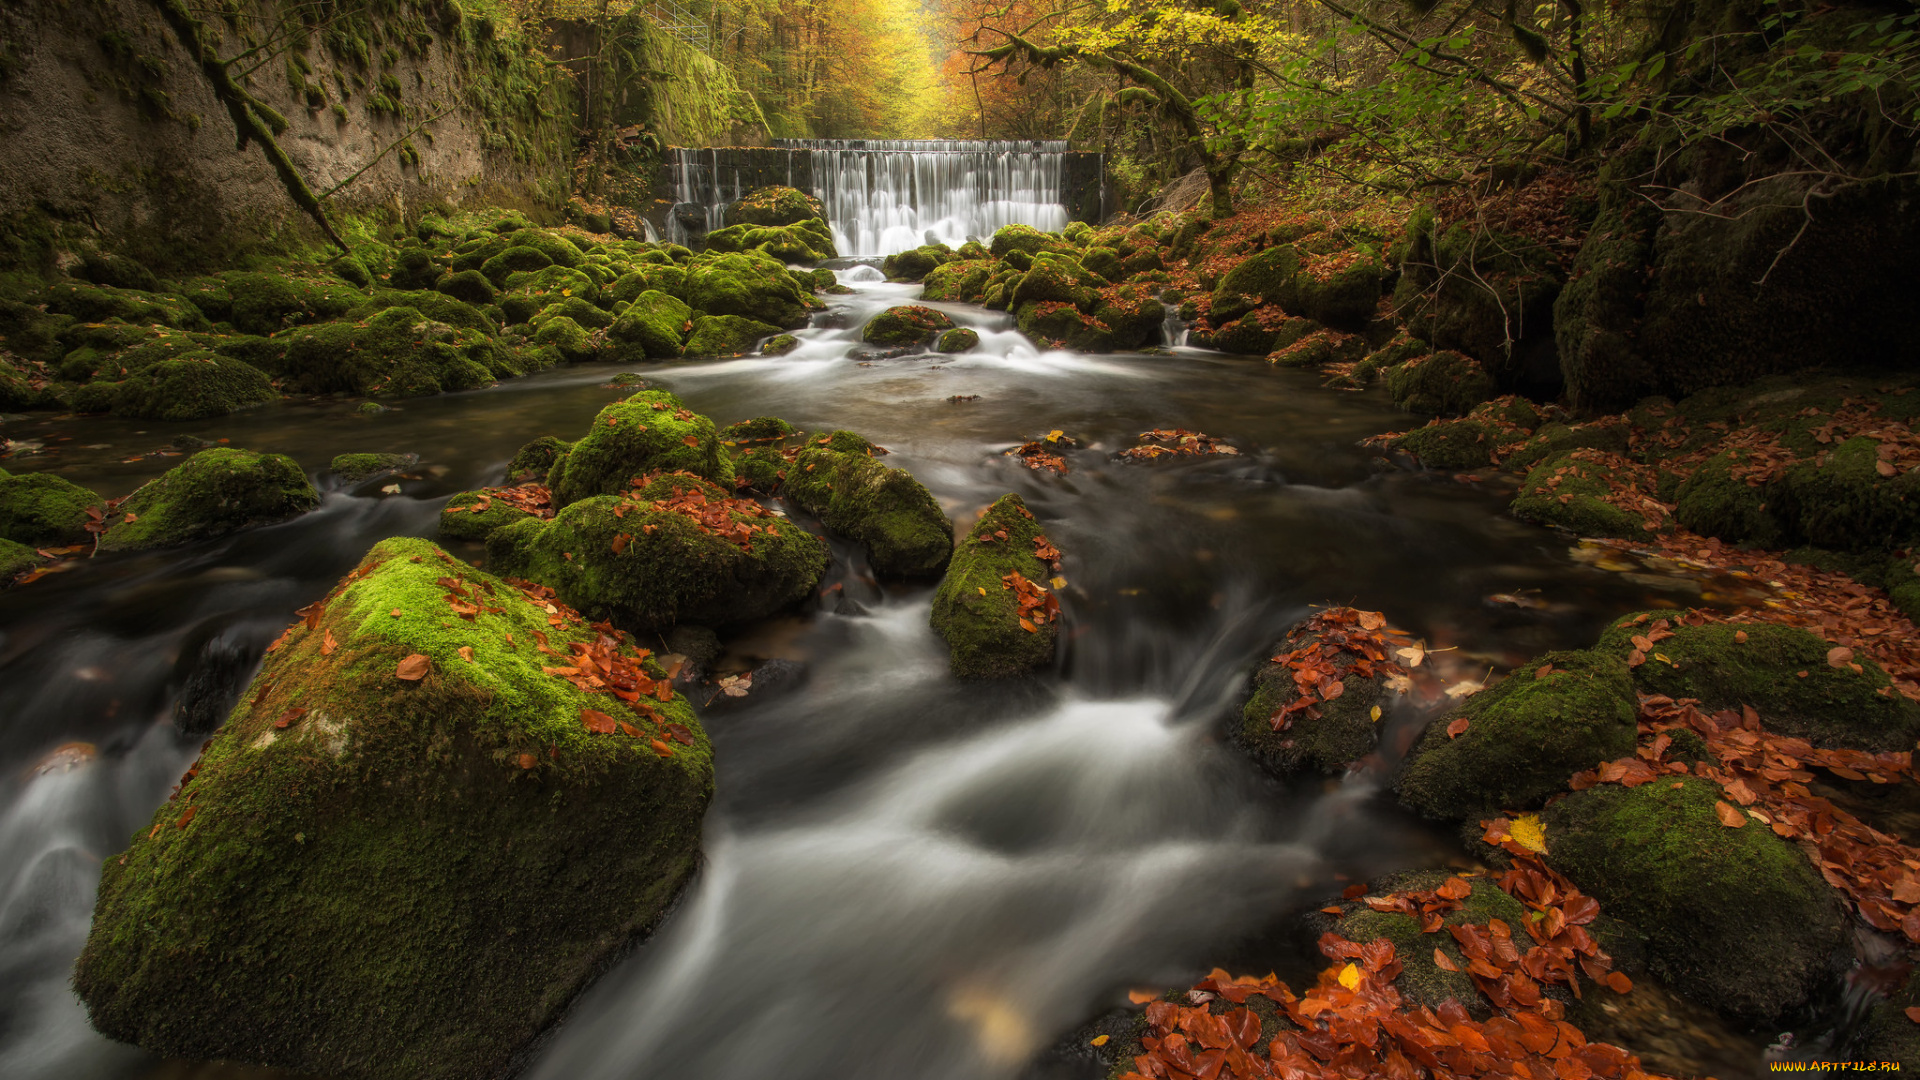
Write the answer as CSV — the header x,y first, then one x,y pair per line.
x,y
888,195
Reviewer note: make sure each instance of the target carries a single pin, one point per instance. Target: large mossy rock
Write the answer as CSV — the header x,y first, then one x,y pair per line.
x,y
535,460
653,326
713,560
16,559
976,610
1487,294
914,264
1343,298
751,284
963,281
808,241
371,877
777,205
43,510
1444,383
1524,738
398,352
1567,490
1423,982
1782,671
726,335
1737,919
212,493
1344,732
192,386
359,468
907,325
476,515
646,433
894,515
1026,239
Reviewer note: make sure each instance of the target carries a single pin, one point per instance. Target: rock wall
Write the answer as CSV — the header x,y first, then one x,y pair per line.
x,y
114,138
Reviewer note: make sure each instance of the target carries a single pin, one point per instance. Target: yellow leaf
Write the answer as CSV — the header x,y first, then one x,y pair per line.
x,y
566,292
1058,582
1350,977
1528,831
1054,435
1097,1040
1375,714
980,589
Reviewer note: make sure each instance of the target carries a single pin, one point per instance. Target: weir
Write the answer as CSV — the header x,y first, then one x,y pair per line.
x,y
888,195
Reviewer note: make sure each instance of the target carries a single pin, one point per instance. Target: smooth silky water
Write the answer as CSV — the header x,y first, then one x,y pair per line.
x,y
905,875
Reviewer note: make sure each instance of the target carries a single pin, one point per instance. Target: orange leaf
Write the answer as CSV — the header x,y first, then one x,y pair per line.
x,y
662,748
1444,962
597,722
289,717
1729,815
1543,671
1618,982
1454,888
1457,727
1913,1013
1027,625
414,668
466,653
1740,636
691,440
327,644
1839,656
528,761
186,817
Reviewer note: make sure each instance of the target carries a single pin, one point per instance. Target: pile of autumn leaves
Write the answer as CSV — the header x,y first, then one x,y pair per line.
x,y
1353,1022
1041,455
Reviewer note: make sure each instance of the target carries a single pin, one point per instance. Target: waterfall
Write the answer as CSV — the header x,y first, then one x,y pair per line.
x,y
886,195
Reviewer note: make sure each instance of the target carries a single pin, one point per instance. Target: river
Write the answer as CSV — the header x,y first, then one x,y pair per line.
x,y
905,875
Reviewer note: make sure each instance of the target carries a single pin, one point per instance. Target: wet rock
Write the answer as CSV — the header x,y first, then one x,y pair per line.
x,y
566,337
1522,738
295,903
476,515
672,567
43,510
355,468
808,241
212,675
212,493
776,205
1713,502
16,559
1737,919
98,304
1423,983
779,345
959,281
1345,730
904,326
1443,383
1567,490
959,339
1027,239
535,460
894,515
915,264
398,352
977,611
650,328
750,284
1782,671
642,434
726,335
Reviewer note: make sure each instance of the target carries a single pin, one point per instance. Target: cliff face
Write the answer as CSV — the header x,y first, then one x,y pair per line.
x,y
113,134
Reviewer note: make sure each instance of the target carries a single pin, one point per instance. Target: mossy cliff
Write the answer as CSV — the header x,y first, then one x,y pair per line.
x,y
370,876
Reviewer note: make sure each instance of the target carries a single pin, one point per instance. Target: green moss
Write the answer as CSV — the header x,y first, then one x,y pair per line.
x,y
807,241
380,888
1444,383
652,325
962,281
1734,918
16,559
467,286
1062,326
915,264
668,279
1574,502
751,284
398,352
1343,733
1026,238
1762,665
94,303
906,532
779,345
43,510
668,570
437,306
212,493
1449,444
192,386
906,325
1846,504
758,429
977,614
1422,982
1550,439
643,434
568,337
473,515
1055,278
726,335
514,260
266,303
535,460
354,468
959,339
1525,737
777,205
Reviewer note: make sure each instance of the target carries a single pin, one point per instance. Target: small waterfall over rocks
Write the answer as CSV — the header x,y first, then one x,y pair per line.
x,y
882,195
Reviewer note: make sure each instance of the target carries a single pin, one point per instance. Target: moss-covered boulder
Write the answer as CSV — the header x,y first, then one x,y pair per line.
x,y
264,303
535,460
1782,671
669,279
1345,729
1449,444
1737,919
1523,738
779,345
212,493
1444,383
98,304
808,241
894,515
1057,325
650,432
776,205
44,510
192,386
1845,504
914,264
675,549
1568,490
726,335
1422,982
16,559
475,515
1056,278
957,340
380,876
653,326
1712,501
963,281
468,286
997,624
1027,239
398,352
909,324
355,468
751,284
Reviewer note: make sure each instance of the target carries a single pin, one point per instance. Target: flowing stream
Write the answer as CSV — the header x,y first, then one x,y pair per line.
x,y
905,876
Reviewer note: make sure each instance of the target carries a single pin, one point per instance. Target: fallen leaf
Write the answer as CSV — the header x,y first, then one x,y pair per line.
x,y
1350,976
528,761
1913,1013
1618,982
1141,997
1372,620
662,748
1374,714
1740,636
1543,671
1444,962
691,440
1839,656
597,722
1412,654
1457,727
1729,815
327,644
414,668
395,613
288,717
186,817
466,653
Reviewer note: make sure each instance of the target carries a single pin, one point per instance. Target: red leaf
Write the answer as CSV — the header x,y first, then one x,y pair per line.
x,y
597,722
528,761
186,817
1457,727
662,748
414,668
1618,982
289,717
1444,962
680,734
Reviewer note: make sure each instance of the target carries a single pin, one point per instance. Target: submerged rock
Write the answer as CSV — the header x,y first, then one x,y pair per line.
x,y
994,609
1736,918
408,851
1515,744
906,532
675,550
647,433
212,493
43,510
